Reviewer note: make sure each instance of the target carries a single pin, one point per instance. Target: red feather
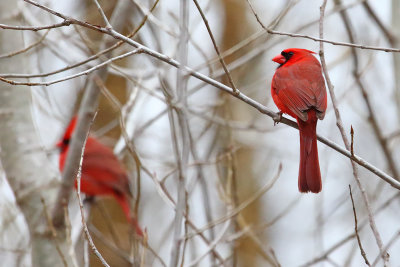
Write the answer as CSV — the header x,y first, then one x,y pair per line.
x,y
298,89
102,173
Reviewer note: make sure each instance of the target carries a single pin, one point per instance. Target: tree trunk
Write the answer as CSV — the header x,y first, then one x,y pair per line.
x,y
26,165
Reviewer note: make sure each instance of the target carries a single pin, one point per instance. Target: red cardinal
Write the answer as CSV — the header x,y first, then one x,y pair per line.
x,y
102,173
298,89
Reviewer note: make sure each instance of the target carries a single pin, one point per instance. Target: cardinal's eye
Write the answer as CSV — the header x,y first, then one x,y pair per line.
x,y
66,142
287,55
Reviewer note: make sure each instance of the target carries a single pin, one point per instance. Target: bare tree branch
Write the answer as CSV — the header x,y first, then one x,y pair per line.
x,y
363,254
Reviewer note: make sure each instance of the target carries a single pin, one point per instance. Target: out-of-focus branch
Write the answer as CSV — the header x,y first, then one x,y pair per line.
x,y
388,245
388,34
76,75
27,48
372,115
396,58
349,237
234,212
339,123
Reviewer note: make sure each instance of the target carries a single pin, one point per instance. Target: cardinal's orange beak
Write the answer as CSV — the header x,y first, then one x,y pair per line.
x,y
279,59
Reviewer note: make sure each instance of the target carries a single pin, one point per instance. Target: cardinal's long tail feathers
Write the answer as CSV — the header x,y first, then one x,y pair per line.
x,y
309,172
124,203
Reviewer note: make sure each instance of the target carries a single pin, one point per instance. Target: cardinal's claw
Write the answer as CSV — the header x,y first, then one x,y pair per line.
x,y
278,119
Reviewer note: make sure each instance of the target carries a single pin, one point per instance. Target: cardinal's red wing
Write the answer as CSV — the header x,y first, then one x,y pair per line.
x,y
102,168
301,87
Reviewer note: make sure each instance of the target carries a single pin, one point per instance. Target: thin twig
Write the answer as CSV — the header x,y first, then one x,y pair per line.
x,y
78,192
66,22
363,254
228,74
26,48
352,141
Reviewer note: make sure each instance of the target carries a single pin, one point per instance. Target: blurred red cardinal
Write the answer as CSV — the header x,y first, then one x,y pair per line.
x,y
298,89
102,173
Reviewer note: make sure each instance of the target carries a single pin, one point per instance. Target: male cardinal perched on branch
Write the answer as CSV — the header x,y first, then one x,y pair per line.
x,y
102,173
298,89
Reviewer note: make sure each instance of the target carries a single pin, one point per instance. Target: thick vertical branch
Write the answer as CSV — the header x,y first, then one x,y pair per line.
x,y
25,163
182,151
396,57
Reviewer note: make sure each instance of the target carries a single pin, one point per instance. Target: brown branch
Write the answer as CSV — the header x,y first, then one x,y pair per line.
x,y
352,141
363,254
228,74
